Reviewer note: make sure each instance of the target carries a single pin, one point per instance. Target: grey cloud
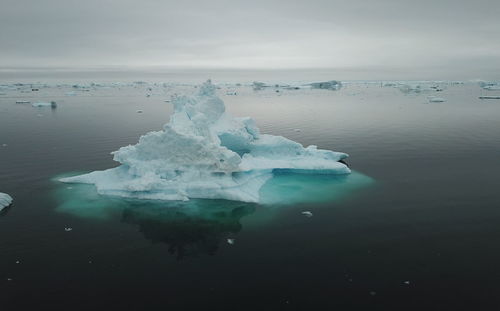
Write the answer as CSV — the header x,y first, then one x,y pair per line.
x,y
252,34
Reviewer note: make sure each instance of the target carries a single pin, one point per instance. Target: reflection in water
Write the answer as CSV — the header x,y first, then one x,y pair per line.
x,y
188,228
198,227
5,210
187,233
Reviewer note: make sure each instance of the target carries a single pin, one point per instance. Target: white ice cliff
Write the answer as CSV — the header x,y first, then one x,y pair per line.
x,y
205,153
5,200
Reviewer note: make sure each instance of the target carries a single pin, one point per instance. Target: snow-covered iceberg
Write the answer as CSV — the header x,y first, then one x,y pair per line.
x,y
203,152
5,200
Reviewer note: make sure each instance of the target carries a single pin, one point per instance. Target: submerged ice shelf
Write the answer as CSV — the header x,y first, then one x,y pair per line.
x,y
203,152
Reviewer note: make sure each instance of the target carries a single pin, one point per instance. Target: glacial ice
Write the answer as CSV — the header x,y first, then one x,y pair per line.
x,y
5,200
203,152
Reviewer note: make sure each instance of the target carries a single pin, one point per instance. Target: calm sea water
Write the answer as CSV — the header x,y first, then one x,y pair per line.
x,y
417,227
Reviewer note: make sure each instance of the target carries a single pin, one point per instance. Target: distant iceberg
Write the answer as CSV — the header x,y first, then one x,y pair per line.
x,y
425,87
203,152
5,200
490,85
327,85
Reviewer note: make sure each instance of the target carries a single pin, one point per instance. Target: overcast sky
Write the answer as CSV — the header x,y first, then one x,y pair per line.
x,y
453,36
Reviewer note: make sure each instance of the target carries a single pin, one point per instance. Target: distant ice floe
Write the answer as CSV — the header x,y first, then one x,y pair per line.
x,y
419,88
5,200
203,152
490,85
326,85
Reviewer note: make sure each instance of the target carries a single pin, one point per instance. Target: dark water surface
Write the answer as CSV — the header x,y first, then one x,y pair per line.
x,y
419,231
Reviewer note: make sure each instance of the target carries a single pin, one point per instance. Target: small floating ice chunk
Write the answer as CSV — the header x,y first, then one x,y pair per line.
x,y
307,213
68,229
230,241
5,200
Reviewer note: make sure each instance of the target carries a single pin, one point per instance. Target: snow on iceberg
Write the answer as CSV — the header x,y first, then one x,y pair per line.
x,y
203,152
5,200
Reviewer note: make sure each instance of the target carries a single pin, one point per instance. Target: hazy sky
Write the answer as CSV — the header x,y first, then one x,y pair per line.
x,y
450,36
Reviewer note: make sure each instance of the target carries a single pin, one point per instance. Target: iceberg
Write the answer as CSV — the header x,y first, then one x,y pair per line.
x,y
5,200
203,152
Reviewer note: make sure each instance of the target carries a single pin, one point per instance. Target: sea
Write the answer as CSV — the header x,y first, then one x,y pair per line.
x,y
416,226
